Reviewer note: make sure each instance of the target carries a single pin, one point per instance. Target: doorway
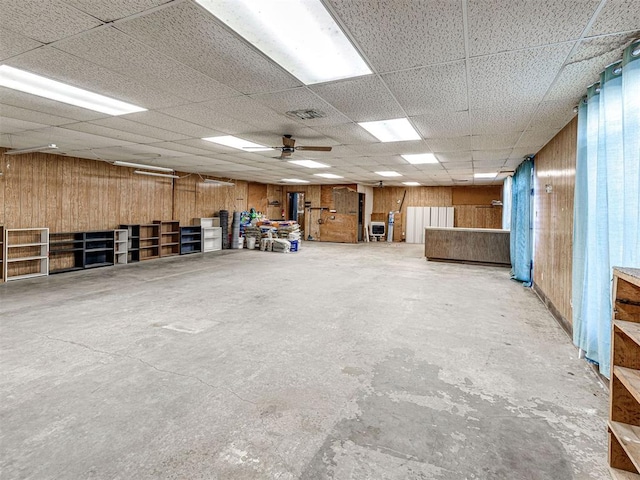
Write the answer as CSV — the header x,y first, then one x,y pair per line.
x,y
295,208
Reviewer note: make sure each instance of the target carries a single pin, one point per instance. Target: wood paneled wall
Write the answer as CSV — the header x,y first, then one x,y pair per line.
x,y
472,204
69,194
553,218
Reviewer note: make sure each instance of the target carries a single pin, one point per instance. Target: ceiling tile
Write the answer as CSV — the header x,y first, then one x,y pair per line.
x,y
488,155
110,132
194,37
429,89
11,111
13,43
520,153
253,114
617,16
501,119
454,157
44,20
123,124
411,33
536,138
584,67
347,134
111,10
217,121
503,26
442,124
116,51
302,98
61,66
361,99
494,142
521,77
392,148
553,115
173,124
457,144
12,125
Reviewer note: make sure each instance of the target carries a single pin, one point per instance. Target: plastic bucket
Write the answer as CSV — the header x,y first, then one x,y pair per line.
x,y
251,243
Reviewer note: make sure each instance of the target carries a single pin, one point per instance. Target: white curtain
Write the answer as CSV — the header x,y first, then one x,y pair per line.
x,y
506,203
607,200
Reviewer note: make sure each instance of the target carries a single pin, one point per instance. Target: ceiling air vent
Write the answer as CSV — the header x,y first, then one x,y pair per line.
x,y
306,114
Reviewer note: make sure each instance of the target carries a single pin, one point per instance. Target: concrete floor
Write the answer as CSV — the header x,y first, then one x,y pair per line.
x,y
336,362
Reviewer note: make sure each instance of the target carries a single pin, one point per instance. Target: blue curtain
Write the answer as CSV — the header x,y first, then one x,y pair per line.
x,y
606,201
521,223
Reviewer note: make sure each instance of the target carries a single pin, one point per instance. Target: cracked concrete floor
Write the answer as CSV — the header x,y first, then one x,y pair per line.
x,y
336,362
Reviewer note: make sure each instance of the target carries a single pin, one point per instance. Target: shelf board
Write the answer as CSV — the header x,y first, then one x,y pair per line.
x,y
101,249
142,239
146,247
64,270
169,244
21,245
96,265
64,242
64,250
630,329
629,438
618,474
630,378
186,242
26,259
25,276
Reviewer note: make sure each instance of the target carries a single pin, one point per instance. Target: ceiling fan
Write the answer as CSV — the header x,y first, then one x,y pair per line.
x,y
288,147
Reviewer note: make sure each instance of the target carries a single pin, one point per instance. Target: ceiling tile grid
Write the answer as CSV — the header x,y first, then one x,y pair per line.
x,y
616,16
13,43
442,124
114,9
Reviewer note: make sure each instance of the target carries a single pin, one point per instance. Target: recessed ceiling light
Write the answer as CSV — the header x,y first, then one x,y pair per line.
x,y
389,174
396,130
411,184
235,142
485,175
309,164
327,175
302,36
294,180
420,158
61,92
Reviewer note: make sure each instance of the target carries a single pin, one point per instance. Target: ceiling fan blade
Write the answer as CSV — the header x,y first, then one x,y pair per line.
x,y
285,153
314,149
287,141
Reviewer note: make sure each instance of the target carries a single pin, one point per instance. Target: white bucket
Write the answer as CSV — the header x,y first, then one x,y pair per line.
x,y
251,243
241,242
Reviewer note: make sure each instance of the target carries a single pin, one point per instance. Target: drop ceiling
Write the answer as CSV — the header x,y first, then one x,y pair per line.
x,y
484,83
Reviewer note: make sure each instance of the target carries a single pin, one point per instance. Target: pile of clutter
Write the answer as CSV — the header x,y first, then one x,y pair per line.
x,y
280,237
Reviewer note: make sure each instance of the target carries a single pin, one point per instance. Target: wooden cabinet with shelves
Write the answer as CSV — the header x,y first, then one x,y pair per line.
x,y
169,237
624,399
120,246
149,241
26,253
190,240
66,252
133,242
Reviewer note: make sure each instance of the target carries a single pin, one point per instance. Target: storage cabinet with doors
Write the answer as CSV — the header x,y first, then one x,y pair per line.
x,y
26,253
169,237
66,252
190,239
624,400
149,241
133,242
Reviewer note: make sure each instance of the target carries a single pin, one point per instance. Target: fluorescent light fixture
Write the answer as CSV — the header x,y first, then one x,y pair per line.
x,y
389,174
45,87
41,148
309,163
411,184
139,165
397,130
153,174
327,175
420,158
294,180
485,175
300,36
218,183
235,142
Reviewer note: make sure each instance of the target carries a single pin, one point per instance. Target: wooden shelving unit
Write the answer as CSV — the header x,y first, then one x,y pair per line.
x,y
120,246
169,237
26,253
98,248
624,400
149,241
133,242
190,240
66,252
1,253
210,233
